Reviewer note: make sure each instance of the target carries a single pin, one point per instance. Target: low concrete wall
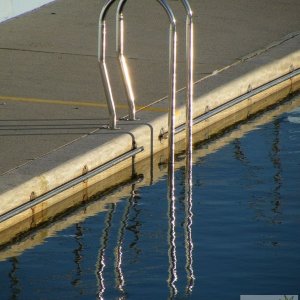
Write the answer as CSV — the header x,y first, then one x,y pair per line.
x,y
38,177
152,170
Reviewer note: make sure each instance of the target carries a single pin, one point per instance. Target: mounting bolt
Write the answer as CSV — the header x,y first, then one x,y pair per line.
x,y
163,135
85,170
249,90
32,196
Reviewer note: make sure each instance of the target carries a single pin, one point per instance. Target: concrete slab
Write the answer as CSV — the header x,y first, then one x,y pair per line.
x,y
52,100
51,54
40,176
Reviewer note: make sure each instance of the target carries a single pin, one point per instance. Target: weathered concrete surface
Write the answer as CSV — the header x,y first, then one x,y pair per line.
x,y
51,54
51,92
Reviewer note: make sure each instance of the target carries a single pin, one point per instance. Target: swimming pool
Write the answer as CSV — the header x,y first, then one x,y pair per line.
x,y
238,235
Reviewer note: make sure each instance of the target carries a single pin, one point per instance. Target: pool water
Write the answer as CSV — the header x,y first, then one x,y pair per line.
x,y
239,235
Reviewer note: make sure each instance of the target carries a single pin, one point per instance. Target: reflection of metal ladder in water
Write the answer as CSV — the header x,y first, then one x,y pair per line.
x,y
119,276
171,120
188,170
101,256
120,279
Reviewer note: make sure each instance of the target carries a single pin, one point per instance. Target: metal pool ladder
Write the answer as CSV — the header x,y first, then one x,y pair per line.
x,y
172,68
171,118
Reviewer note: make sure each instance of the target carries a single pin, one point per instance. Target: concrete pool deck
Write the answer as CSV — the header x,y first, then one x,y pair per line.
x,y
52,100
131,187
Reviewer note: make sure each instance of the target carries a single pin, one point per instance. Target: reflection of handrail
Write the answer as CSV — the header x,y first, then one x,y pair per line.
x,y
172,279
120,280
101,256
189,247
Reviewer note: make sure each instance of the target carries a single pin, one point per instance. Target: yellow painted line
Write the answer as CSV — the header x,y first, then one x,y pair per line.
x,y
47,101
75,103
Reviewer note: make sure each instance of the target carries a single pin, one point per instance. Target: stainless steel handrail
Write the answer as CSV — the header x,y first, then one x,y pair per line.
x,y
172,84
103,67
122,60
120,40
189,82
189,68
120,51
124,66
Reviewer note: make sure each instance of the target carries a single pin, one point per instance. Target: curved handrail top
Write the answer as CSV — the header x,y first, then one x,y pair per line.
x,y
102,17
169,12
188,8
121,6
104,10
163,3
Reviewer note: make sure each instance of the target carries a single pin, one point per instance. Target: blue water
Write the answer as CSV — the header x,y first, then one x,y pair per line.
x,y
243,240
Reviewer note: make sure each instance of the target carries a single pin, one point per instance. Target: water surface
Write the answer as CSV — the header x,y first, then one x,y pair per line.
x,y
238,236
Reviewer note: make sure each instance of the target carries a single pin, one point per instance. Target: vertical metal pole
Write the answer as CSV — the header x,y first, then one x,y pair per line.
x,y
189,79
172,67
103,67
123,63
172,93
172,81
190,89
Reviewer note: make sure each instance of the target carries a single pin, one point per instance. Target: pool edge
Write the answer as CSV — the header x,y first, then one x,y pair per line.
x,y
147,133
